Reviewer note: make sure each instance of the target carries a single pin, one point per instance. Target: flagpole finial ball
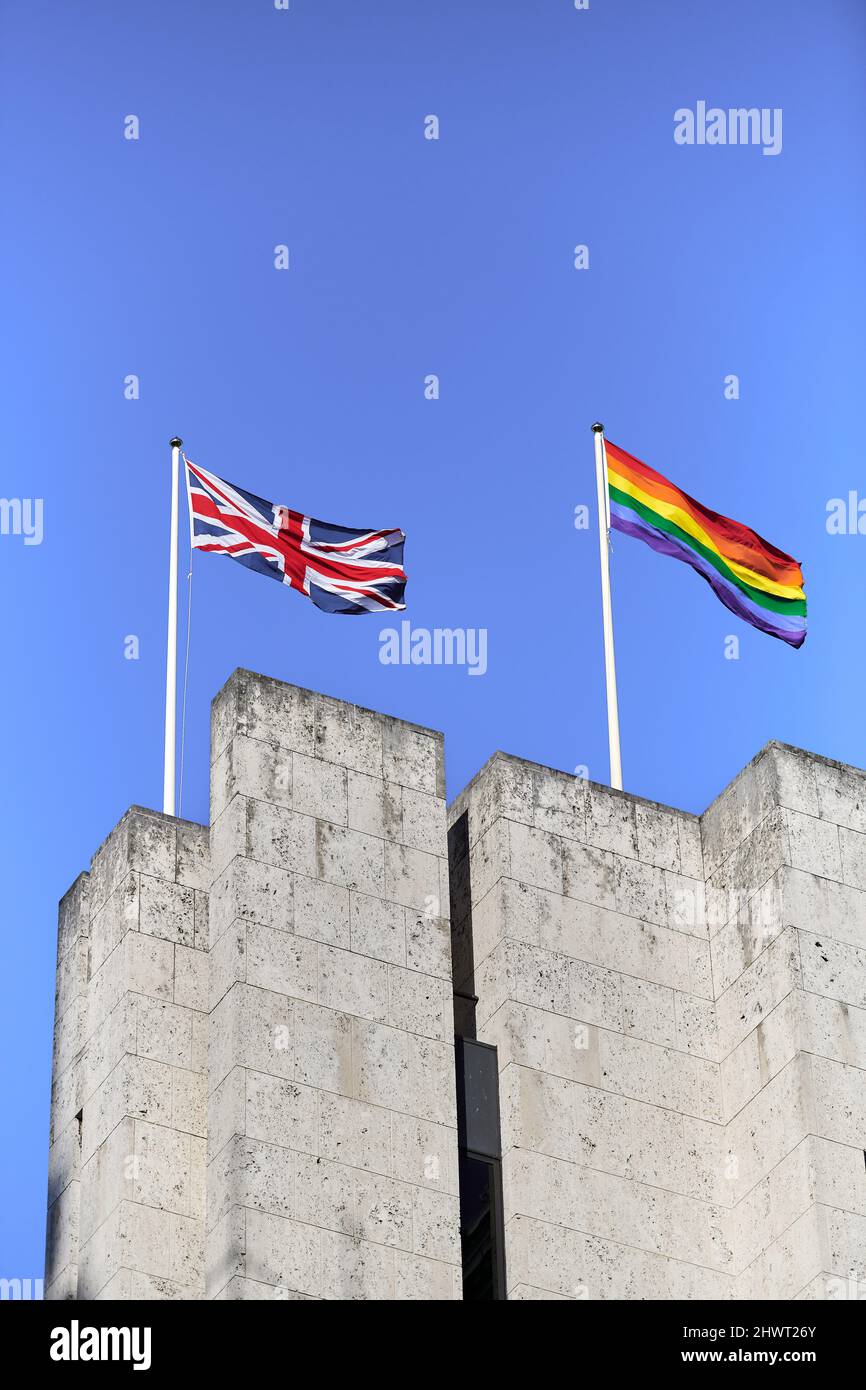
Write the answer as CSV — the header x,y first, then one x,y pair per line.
x,y
175,443
598,428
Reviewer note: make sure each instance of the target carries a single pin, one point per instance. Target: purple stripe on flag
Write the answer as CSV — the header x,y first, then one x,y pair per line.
x,y
791,630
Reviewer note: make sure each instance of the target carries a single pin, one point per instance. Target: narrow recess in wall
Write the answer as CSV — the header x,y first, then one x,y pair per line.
x,y
482,1230
462,955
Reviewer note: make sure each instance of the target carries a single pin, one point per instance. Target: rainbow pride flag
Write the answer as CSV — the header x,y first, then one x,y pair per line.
x,y
750,576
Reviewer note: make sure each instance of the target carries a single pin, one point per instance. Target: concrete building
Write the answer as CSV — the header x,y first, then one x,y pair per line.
x,y
659,1084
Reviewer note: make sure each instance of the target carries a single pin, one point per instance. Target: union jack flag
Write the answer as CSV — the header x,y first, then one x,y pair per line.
x,y
341,568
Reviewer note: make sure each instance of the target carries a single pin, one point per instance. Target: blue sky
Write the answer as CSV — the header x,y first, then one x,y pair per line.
x,y
411,257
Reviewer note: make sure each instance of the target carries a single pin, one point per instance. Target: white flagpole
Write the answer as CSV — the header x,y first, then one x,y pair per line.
x,y
606,609
168,803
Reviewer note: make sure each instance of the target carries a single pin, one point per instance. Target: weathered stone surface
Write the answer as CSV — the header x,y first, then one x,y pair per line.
x,y
253,1090
331,1054
679,1011
128,1180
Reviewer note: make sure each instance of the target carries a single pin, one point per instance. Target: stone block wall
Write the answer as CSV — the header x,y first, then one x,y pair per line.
x,y
785,856
64,1153
332,1168
590,960
253,1087
678,1007
128,1110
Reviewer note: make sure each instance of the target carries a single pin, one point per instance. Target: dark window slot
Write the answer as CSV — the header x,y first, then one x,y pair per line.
x,y
482,1232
